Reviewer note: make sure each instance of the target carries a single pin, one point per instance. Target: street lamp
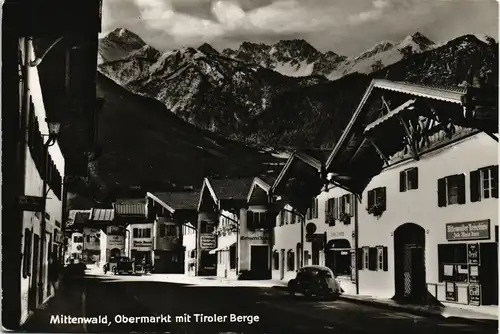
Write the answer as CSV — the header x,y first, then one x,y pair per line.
x,y
52,139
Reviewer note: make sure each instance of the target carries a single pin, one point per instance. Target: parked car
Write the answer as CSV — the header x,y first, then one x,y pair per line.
x,y
316,281
123,265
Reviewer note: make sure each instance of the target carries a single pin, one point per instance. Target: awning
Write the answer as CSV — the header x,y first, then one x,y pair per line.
x,y
213,251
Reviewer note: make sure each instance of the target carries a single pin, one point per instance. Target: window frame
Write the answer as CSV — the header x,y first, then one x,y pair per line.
x,y
365,258
405,179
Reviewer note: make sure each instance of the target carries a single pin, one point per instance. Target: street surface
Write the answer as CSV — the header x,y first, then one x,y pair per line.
x,y
237,309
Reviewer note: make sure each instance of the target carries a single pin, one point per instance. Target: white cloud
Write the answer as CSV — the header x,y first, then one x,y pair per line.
x,y
321,20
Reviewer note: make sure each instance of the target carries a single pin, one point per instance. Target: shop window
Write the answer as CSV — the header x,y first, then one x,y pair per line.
x,y
290,260
376,203
484,183
232,257
382,264
77,238
408,179
452,261
276,260
27,253
366,258
306,258
451,190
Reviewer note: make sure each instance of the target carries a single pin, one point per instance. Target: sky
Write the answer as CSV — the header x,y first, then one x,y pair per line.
x,y
346,27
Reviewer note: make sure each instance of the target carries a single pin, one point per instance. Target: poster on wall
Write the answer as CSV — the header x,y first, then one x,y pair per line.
x,y
473,274
353,267
474,294
473,253
208,241
451,291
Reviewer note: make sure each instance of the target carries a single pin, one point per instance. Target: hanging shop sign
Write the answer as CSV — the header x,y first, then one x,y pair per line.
x,y
31,203
451,291
208,241
315,237
116,241
142,243
476,230
473,253
475,294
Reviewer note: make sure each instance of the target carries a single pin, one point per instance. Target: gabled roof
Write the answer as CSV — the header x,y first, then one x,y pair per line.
x,y
234,189
179,200
345,162
258,182
102,215
447,94
315,162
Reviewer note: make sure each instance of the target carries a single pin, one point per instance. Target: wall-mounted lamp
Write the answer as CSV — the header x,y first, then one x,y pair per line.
x,y
54,128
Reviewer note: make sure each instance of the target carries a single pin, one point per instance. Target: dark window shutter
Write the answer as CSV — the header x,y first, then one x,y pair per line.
x,y
402,181
494,185
359,258
372,258
461,188
316,208
442,192
475,195
335,206
385,258
249,219
371,198
352,200
414,175
382,195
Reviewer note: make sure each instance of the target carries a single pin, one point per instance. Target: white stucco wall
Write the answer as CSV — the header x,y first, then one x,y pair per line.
x,y
286,238
420,206
224,241
339,231
189,242
33,187
250,238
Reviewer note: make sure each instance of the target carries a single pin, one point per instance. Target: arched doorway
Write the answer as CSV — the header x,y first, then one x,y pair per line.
x,y
409,263
338,256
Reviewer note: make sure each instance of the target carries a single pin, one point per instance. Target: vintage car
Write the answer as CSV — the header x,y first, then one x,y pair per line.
x,y
316,281
121,265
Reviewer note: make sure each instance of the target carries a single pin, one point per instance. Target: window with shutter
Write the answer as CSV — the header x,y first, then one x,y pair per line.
x,y
336,205
475,190
371,198
385,258
402,181
359,258
442,192
494,181
380,258
372,259
366,258
381,197
460,179
351,206
316,208
250,222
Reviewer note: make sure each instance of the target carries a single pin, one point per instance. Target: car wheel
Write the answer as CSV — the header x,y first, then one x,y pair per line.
x,y
291,292
308,293
115,272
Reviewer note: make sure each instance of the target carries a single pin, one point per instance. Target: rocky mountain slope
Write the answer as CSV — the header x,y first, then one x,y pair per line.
x,y
295,58
143,144
381,55
118,44
208,90
245,101
315,116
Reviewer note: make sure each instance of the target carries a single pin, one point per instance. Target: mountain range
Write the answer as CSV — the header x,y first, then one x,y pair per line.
x,y
246,94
